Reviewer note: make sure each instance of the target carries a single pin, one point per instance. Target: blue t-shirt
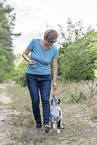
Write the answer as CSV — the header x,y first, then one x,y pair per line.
x,y
42,58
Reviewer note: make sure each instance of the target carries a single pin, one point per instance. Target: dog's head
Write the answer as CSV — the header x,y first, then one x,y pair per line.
x,y
55,101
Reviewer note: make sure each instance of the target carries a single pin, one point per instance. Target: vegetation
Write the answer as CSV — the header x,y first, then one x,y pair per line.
x,y
7,22
20,75
78,53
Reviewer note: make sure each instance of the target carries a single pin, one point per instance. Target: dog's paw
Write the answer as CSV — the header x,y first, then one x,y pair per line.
x,y
54,126
58,131
62,127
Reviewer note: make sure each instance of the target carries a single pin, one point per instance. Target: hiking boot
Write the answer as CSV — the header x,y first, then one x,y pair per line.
x,y
46,128
38,124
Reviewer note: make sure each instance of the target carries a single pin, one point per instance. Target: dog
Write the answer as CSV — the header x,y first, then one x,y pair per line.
x,y
55,114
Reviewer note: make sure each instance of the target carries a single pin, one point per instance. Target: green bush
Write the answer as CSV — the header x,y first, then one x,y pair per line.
x,y
20,75
77,60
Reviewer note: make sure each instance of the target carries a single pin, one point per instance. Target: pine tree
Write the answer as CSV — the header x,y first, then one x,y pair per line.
x,y
7,22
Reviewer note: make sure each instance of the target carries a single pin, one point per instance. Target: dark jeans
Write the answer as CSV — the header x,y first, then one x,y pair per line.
x,y
42,83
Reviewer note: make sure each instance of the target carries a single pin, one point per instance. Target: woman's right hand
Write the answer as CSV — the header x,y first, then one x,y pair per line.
x,y
25,56
32,62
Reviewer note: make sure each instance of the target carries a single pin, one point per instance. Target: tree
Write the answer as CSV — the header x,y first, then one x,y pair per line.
x,y
7,22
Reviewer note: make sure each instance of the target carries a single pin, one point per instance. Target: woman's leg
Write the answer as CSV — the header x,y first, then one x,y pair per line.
x,y
33,86
45,87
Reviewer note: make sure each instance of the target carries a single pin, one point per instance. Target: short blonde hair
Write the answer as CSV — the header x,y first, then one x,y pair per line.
x,y
51,34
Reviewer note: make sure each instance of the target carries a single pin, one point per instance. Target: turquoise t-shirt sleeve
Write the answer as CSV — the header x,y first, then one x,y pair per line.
x,y
56,54
31,45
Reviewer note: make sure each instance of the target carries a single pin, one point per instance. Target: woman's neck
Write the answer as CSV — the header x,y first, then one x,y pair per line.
x,y
44,45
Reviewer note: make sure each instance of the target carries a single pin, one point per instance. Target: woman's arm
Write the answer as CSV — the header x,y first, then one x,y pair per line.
x,y
55,73
25,56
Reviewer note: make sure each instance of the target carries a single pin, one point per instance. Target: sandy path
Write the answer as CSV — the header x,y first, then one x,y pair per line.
x,y
4,114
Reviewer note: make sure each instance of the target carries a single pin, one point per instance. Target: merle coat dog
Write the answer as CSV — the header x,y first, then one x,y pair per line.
x,y
55,114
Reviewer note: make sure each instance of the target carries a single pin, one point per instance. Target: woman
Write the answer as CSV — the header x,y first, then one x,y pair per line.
x,y
38,74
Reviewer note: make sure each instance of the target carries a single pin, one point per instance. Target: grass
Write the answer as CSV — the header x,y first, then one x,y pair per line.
x,y
17,124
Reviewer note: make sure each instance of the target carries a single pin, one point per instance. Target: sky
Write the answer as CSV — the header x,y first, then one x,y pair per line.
x,y
34,17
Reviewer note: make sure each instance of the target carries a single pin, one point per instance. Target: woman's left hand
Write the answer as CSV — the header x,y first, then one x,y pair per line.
x,y
54,86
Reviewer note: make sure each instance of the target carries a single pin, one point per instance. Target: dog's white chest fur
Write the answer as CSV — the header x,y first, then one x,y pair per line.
x,y
55,114
55,111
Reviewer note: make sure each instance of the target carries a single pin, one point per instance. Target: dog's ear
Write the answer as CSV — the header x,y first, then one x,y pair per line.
x,y
53,96
59,101
51,102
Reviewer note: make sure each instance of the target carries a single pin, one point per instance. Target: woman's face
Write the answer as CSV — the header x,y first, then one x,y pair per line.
x,y
49,43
